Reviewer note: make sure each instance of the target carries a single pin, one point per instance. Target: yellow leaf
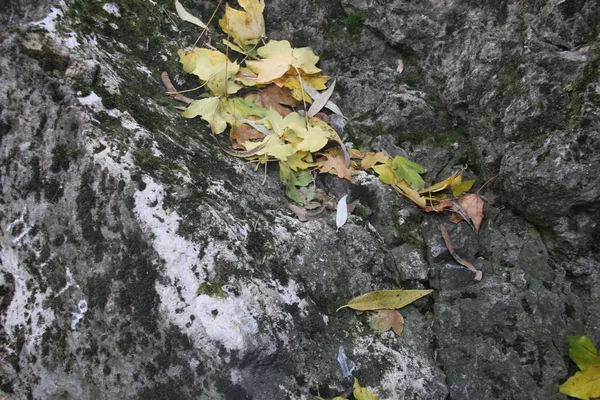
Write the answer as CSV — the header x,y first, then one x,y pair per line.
x,y
245,27
385,172
278,124
584,384
361,393
385,299
372,158
274,147
459,187
291,81
404,189
301,160
210,110
449,181
278,57
213,67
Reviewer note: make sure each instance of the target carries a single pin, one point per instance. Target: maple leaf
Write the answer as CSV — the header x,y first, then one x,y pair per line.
x,y
291,81
274,96
243,133
372,158
291,180
301,161
384,320
278,57
333,162
211,110
212,67
472,203
408,171
585,384
245,27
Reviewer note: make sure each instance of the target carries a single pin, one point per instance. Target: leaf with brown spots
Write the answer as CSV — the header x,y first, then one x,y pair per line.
x,y
333,162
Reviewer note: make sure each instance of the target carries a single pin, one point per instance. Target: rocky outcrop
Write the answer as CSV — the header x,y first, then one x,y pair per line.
x,y
138,261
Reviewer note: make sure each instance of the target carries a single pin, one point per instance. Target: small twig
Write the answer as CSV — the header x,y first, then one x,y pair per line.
x,y
171,91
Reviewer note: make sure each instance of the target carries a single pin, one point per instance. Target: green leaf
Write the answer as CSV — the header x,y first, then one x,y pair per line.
x,y
408,171
291,180
582,351
211,110
585,384
385,299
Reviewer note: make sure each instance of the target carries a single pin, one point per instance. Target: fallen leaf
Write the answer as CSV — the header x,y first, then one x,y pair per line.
x,y
408,171
210,110
460,260
296,83
372,158
320,101
459,187
384,320
186,16
291,180
275,96
441,185
333,162
361,393
472,203
243,133
314,94
278,57
414,196
245,27
585,384
212,67
341,215
385,299
273,146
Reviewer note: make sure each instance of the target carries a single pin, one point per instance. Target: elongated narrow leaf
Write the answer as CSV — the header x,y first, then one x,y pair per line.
x,y
320,101
313,93
385,299
342,213
186,16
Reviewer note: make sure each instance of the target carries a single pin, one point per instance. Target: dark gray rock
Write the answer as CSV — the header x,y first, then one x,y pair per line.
x,y
116,211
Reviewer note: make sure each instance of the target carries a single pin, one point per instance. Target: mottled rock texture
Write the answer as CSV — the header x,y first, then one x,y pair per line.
x,y
114,210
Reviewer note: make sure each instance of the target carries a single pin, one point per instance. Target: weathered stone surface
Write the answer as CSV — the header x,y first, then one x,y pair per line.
x,y
116,211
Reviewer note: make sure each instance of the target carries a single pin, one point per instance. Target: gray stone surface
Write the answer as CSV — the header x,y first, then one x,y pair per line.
x,y
115,210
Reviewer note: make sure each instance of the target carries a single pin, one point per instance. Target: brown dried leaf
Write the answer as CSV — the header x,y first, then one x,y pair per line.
x,y
243,133
274,96
384,320
459,259
333,161
472,203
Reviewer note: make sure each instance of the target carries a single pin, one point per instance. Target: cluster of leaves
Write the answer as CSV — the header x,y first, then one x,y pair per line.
x,y
262,97
585,384
384,304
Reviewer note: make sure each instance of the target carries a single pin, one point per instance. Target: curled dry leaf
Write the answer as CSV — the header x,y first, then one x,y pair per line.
x,y
460,260
186,16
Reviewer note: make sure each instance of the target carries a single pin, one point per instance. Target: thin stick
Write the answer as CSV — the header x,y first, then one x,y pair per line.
x,y
209,21
171,91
